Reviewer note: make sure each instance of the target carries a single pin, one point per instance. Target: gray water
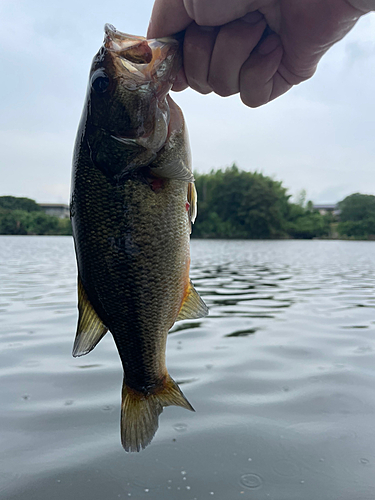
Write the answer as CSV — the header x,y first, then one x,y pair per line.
x,y
281,374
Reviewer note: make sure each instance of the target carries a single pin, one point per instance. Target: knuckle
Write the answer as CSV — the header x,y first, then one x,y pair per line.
x,y
205,91
196,11
220,87
252,101
198,85
293,76
223,92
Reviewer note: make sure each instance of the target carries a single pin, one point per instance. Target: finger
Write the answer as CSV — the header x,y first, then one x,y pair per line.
x,y
198,46
260,81
234,44
167,18
180,82
219,12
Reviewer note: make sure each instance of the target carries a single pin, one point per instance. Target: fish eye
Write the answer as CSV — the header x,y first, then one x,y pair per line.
x,y
100,81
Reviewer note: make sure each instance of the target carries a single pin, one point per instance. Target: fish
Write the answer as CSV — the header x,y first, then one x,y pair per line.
x,y
133,203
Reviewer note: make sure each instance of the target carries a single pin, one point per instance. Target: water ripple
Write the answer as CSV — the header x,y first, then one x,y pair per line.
x,y
282,371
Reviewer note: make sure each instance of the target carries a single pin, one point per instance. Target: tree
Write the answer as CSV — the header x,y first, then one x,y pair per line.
x,y
238,204
357,207
14,221
41,223
307,225
357,216
14,203
24,216
301,198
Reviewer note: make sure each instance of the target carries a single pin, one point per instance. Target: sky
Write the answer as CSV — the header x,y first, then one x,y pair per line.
x,y
320,136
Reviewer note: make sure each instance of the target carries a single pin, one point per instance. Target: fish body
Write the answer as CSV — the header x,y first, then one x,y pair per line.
x,y
132,204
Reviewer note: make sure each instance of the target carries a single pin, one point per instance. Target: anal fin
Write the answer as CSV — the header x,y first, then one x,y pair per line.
x,y
90,328
193,306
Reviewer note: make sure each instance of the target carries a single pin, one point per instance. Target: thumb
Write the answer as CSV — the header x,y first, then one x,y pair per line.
x,y
167,18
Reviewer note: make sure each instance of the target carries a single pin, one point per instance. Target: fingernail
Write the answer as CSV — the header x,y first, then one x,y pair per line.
x,y
252,17
269,45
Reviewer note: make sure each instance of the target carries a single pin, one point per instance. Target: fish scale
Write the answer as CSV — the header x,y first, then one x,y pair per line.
x,y
132,204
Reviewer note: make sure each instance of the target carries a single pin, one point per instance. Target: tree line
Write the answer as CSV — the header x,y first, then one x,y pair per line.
x,y
236,204
25,216
232,204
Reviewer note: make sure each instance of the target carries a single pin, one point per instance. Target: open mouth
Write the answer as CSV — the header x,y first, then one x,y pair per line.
x,y
156,59
147,67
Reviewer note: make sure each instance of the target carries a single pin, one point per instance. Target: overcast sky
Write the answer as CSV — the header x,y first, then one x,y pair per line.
x,y
319,137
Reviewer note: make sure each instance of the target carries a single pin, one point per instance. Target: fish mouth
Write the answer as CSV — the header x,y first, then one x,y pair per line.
x,y
155,61
149,67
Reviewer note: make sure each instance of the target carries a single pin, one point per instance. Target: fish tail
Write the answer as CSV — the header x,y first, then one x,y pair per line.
x,y
140,413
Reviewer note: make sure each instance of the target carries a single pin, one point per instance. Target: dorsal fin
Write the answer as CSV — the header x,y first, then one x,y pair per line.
x,y
193,306
90,328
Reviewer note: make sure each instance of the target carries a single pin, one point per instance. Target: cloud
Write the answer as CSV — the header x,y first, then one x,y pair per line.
x,y
319,136
33,159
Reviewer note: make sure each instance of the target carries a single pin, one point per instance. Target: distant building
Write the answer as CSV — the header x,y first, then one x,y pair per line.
x,y
327,208
56,209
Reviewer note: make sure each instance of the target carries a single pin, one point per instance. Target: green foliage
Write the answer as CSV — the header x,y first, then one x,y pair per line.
x,y
357,217
238,204
357,207
301,198
305,224
13,221
14,203
231,204
64,227
27,220
363,229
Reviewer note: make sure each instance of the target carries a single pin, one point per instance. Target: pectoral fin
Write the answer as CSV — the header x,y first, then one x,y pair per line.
x,y
90,328
175,169
192,199
193,306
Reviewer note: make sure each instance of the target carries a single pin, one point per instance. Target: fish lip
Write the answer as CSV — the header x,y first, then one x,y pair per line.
x,y
159,50
117,41
153,76
112,33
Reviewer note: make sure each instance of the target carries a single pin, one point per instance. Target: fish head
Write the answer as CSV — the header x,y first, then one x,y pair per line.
x,y
130,78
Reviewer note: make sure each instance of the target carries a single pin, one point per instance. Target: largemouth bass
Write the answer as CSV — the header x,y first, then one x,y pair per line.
x,y
132,204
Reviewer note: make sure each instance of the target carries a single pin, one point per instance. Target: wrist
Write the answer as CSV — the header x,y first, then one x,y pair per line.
x,y
363,6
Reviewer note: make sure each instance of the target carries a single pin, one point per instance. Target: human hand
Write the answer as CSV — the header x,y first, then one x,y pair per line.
x,y
259,48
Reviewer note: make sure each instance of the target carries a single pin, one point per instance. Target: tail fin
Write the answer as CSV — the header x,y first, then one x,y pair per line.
x,y
140,413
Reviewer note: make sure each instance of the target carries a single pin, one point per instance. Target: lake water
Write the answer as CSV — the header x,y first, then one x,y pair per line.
x,y
281,374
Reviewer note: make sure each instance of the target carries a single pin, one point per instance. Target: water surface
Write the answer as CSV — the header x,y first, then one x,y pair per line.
x,y
281,374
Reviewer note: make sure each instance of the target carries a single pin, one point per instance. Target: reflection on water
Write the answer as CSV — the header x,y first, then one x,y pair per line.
x,y
281,374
